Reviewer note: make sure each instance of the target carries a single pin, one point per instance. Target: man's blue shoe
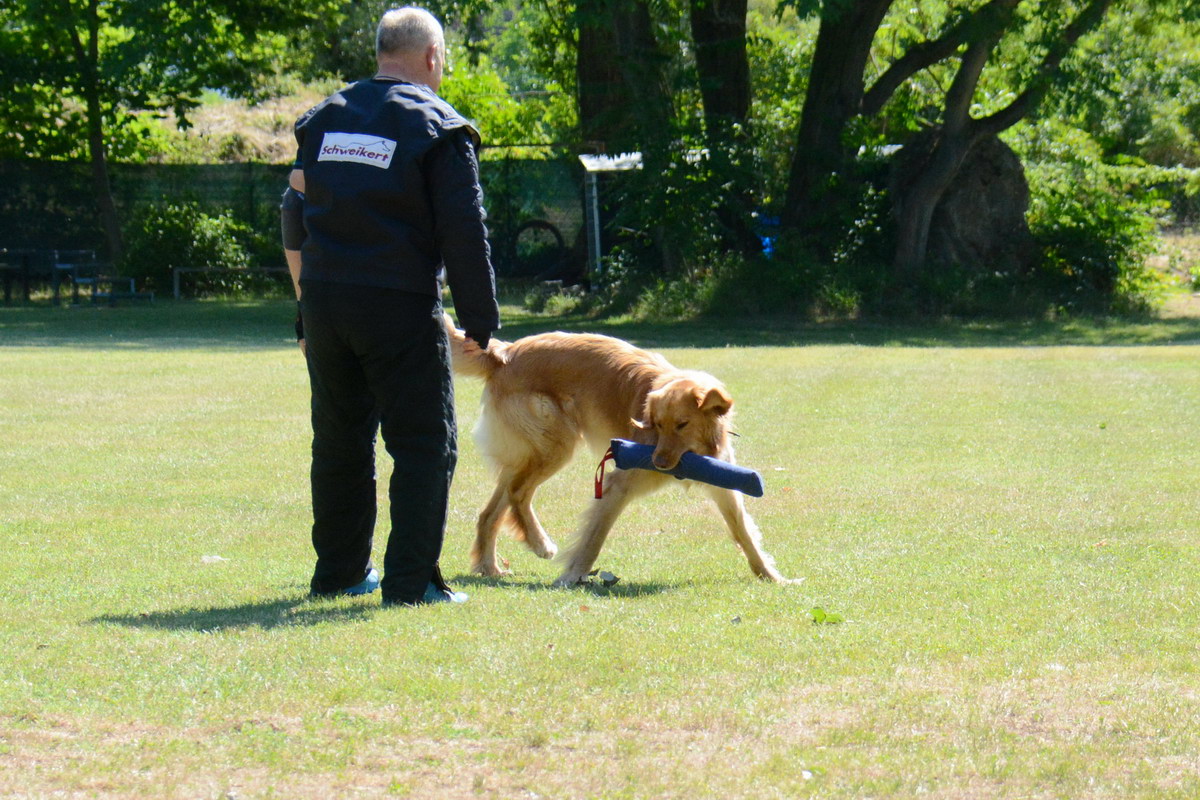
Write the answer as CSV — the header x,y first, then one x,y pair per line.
x,y
433,594
366,586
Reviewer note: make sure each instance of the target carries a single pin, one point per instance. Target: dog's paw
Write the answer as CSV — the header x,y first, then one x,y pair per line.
x,y
568,580
547,550
492,570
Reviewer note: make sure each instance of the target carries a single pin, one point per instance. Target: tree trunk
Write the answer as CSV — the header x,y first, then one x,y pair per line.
x,y
605,107
917,202
719,33
88,58
834,97
642,64
101,184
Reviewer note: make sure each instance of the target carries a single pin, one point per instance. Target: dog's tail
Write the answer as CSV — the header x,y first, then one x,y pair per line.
x,y
480,364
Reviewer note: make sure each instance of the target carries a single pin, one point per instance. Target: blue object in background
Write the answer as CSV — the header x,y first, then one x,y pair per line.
x,y
768,233
631,455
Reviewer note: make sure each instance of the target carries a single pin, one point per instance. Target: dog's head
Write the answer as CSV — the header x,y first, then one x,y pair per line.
x,y
689,413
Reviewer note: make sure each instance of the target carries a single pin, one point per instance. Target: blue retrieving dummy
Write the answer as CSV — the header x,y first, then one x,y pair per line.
x,y
631,455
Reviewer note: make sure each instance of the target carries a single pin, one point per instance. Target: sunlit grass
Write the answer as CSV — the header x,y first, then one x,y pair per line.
x,y
1011,533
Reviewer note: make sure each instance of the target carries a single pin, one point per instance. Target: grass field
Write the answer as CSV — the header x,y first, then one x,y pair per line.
x,y
1007,517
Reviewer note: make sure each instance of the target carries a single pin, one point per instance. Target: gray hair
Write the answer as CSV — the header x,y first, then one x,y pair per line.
x,y
407,30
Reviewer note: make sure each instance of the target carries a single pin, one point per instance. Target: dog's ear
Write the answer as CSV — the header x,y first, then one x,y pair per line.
x,y
716,400
647,420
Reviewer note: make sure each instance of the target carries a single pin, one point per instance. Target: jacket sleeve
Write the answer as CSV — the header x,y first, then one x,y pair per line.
x,y
452,177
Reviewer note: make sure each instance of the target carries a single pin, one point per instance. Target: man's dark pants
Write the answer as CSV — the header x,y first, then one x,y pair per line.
x,y
378,359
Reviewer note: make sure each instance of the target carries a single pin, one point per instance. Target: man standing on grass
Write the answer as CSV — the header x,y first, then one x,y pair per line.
x,y
388,183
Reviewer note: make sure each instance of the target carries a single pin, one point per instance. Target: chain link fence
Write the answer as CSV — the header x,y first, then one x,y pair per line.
x,y
534,204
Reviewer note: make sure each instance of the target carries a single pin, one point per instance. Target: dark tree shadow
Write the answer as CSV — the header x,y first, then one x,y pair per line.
x,y
267,324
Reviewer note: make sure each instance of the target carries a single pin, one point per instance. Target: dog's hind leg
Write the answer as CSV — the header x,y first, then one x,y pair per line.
x,y
529,528
620,487
746,534
483,551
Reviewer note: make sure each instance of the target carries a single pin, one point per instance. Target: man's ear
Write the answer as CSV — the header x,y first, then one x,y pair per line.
x,y
717,400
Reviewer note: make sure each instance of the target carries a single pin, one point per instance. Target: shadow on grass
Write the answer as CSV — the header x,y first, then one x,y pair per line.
x,y
266,615
623,589
792,332
303,610
165,325
267,324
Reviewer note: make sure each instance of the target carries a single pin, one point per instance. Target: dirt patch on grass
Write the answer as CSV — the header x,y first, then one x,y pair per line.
x,y
72,758
940,730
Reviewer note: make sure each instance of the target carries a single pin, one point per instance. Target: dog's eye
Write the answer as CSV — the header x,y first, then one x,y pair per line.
x,y
681,425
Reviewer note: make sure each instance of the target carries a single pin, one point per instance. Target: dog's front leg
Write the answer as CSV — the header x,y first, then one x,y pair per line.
x,y
745,533
620,487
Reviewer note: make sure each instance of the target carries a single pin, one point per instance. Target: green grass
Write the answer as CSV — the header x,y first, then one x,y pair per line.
x,y
1006,515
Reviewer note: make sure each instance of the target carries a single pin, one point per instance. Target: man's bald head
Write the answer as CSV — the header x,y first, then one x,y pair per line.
x,y
407,31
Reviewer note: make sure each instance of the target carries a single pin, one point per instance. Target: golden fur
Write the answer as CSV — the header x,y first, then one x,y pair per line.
x,y
545,394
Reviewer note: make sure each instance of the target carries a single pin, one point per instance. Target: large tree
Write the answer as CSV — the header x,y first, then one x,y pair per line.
x,y
82,70
839,93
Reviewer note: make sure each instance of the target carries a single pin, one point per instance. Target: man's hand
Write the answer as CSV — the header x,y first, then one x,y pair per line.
x,y
476,341
300,329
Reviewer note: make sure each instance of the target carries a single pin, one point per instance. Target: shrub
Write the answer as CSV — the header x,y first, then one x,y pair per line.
x,y
160,238
1095,238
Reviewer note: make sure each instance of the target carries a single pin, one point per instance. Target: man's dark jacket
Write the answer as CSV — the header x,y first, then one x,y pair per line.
x,y
392,193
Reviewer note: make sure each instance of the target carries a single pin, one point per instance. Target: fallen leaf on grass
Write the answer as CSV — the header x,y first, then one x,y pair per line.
x,y
212,559
605,578
822,617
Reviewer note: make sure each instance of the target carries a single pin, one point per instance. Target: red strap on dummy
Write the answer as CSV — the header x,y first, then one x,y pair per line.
x,y
608,456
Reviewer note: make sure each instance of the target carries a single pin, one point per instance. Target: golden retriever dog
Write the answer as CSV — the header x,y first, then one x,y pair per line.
x,y
545,394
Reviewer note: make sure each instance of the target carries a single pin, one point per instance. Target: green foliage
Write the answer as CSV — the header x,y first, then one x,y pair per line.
x,y
67,60
547,298
1136,88
780,54
674,220
159,238
478,91
1095,241
1095,223
696,293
